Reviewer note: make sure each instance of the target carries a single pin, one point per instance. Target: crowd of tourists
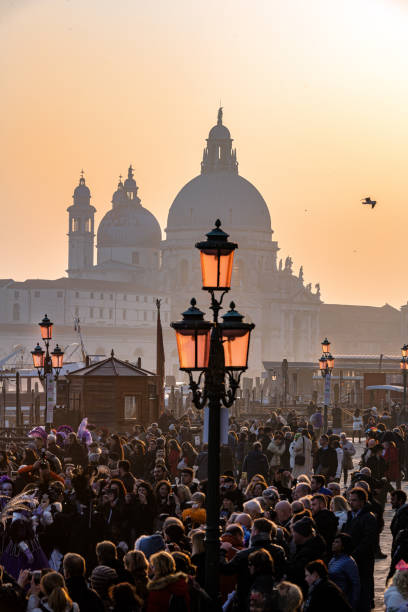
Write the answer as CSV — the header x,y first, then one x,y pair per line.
x,y
96,521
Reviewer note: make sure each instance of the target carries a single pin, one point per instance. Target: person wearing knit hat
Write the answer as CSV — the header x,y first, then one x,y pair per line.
x,y
102,578
150,544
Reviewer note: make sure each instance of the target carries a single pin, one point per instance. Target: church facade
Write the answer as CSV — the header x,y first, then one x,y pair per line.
x,y
114,297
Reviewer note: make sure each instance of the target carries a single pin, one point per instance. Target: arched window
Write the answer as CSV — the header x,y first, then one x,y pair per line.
x,y
183,272
74,225
88,225
16,312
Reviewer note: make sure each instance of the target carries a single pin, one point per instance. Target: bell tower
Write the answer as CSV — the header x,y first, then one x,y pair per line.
x,y
80,230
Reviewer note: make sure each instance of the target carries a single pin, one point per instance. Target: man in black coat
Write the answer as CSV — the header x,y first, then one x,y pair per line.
x,y
262,534
376,463
323,594
256,462
400,518
326,521
309,547
361,525
74,572
326,459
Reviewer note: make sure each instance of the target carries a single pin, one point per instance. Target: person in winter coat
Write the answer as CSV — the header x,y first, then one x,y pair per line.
x,y
309,546
78,589
301,448
263,532
173,456
276,448
322,592
326,521
362,527
125,598
166,584
325,460
261,568
256,462
202,463
391,457
343,569
340,508
348,453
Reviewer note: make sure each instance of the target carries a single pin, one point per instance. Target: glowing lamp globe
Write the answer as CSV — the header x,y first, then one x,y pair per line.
x,y
323,365
330,362
235,337
46,328
38,357
217,256
325,346
193,339
57,358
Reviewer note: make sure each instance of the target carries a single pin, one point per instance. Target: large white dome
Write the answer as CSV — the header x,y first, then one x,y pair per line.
x,y
219,195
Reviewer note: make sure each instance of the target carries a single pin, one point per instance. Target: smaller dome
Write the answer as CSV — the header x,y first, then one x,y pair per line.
x,y
119,197
219,132
129,226
81,192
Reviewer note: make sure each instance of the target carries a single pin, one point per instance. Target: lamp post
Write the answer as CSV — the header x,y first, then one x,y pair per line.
x,y
404,368
47,364
219,353
326,365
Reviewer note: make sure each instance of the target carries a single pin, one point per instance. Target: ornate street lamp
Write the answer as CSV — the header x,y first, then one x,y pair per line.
x,y
404,368
217,256
47,364
326,365
219,352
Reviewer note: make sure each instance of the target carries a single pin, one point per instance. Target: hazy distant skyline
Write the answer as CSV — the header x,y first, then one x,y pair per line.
x,y
314,94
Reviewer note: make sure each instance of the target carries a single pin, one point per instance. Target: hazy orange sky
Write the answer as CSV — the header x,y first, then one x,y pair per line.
x,y
314,93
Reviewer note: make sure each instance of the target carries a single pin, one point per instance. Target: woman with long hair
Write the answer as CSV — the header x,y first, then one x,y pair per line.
x,y
137,565
56,598
340,507
165,502
189,454
255,489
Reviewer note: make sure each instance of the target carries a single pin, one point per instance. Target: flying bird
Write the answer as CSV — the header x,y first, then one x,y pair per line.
x,y
369,201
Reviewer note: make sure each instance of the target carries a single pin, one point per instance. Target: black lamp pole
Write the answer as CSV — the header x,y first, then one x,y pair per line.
x,y
404,368
47,363
326,365
218,381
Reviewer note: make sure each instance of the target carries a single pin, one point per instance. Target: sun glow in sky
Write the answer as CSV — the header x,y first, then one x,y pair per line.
x,y
315,94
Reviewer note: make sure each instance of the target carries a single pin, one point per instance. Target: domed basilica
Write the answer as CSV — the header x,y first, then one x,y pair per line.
x,y
130,249
115,298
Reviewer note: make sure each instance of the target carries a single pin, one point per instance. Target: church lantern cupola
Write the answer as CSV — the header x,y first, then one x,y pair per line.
x,y
219,156
81,230
130,187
